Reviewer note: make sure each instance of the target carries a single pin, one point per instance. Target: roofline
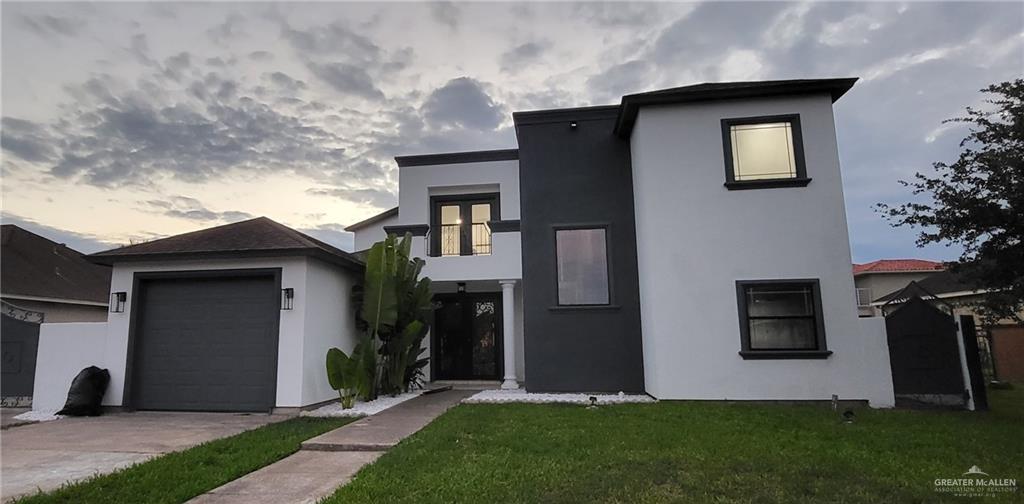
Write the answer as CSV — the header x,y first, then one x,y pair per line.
x,y
44,299
458,157
391,212
869,272
631,104
347,261
942,295
565,114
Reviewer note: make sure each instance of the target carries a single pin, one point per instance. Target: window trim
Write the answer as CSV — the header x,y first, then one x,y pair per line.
x,y
801,179
820,352
606,226
465,249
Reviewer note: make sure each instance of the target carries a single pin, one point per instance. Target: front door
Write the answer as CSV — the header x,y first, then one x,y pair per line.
x,y
467,337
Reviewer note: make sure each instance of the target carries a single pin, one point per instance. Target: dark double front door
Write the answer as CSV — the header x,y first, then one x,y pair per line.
x,y
467,337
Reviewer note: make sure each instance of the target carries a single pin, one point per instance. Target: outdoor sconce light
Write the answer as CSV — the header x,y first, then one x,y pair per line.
x,y
462,287
117,300
287,298
573,125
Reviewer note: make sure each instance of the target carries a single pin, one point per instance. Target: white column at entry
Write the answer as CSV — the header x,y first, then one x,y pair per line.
x,y
508,332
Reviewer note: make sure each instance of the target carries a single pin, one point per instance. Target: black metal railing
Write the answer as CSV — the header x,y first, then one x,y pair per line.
x,y
450,241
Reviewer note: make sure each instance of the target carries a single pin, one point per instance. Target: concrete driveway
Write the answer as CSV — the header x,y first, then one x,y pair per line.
x,y
45,455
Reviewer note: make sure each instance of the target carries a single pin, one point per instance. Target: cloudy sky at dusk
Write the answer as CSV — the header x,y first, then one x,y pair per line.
x,y
129,121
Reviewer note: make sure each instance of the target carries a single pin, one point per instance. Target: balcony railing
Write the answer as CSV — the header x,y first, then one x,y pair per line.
x,y
451,240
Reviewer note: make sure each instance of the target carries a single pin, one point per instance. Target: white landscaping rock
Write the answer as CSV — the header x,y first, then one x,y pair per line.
x,y
39,416
522,396
361,409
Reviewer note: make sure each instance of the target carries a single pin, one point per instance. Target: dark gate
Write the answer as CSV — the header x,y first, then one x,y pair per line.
x,y
924,355
19,342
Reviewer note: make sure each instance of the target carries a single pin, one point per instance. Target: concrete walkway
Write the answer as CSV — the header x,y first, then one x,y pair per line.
x,y
45,455
330,460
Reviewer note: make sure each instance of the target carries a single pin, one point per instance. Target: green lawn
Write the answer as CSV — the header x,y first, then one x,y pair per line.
x,y
694,452
179,476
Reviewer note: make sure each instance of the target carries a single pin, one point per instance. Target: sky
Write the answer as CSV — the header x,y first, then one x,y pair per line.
x,y
124,122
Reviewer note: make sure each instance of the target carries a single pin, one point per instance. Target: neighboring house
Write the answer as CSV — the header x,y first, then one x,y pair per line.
x,y
40,275
233,318
40,280
878,278
690,243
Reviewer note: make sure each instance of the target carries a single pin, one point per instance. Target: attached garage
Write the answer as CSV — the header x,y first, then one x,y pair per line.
x,y
236,318
205,341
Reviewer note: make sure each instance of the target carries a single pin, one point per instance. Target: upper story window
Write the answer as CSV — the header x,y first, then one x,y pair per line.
x,y
764,152
781,319
582,266
459,224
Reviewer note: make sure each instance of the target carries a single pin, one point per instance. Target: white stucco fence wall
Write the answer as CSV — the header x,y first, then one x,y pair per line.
x,y
695,239
64,350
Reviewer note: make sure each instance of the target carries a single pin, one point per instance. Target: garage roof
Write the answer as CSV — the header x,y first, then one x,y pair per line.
x,y
259,237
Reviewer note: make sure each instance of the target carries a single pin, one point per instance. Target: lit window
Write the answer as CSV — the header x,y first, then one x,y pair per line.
x,y
582,260
461,224
763,151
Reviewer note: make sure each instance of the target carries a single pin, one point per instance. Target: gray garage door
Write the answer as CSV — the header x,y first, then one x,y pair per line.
x,y
206,344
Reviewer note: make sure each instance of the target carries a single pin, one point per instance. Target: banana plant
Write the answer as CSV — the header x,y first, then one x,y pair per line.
x,y
352,376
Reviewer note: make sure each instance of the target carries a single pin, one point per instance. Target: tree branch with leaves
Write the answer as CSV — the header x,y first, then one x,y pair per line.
x,y
977,202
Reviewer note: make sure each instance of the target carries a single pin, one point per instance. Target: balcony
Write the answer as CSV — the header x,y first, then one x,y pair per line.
x,y
461,253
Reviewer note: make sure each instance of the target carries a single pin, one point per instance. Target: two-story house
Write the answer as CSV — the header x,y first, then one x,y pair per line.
x,y
690,243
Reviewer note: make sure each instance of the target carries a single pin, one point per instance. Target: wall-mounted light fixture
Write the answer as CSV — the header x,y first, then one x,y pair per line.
x,y
462,287
117,300
287,298
573,124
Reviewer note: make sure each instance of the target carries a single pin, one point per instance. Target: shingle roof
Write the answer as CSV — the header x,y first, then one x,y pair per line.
x,y
943,282
897,266
31,265
376,218
259,237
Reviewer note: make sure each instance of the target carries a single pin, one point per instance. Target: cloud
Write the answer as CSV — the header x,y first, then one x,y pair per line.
x,y
347,78
333,234
446,13
285,82
261,56
523,54
26,140
374,197
617,14
183,207
625,78
227,30
82,242
463,103
47,25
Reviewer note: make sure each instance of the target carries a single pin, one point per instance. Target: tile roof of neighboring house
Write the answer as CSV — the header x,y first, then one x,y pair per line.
x,y
36,267
897,266
376,218
259,237
943,282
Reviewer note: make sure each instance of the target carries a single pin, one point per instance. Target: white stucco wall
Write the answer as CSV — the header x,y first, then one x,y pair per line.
x,y
367,236
695,239
321,317
64,350
330,322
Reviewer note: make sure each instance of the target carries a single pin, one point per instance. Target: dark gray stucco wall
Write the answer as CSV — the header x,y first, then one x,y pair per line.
x,y
578,176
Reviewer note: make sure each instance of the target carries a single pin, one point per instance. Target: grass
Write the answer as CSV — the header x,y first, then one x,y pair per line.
x,y
694,452
179,476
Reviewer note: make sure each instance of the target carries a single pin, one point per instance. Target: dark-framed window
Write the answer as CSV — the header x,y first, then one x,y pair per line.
x,y
765,151
781,319
582,267
459,224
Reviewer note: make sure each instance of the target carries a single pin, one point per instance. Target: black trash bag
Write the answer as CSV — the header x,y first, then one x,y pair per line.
x,y
86,392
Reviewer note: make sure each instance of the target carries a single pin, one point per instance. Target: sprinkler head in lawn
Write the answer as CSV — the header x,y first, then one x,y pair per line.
x,y
593,402
848,416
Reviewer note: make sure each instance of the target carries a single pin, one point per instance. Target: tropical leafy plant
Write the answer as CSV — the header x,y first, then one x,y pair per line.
x,y
394,307
353,376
